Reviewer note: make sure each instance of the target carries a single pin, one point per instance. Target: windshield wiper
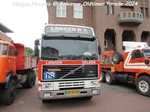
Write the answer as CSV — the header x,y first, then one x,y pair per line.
x,y
49,58
94,56
75,57
69,55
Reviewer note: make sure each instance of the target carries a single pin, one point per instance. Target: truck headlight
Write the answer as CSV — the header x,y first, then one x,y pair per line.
x,y
46,86
94,83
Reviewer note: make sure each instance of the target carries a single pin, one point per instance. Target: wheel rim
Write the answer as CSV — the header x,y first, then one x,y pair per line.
x,y
107,78
115,57
143,86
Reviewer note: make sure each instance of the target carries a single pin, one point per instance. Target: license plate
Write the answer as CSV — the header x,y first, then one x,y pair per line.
x,y
72,92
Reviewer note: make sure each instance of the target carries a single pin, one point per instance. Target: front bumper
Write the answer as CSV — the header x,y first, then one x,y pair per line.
x,y
62,94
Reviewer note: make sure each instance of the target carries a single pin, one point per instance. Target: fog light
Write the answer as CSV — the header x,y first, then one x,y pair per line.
x,y
47,94
94,91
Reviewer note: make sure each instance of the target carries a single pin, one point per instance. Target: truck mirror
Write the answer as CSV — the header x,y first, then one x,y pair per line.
x,y
146,62
36,51
15,53
99,49
36,42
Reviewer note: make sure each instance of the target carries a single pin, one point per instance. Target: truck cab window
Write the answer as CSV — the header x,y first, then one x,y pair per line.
x,y
3,49
137,54
11,51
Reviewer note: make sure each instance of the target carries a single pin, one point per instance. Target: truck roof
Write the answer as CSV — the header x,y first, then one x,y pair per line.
x,y
4,42
68,25
65,25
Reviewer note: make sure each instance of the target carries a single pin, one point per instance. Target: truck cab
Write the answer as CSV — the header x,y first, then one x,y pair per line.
x,y
15,69
130,66
7,60
68,65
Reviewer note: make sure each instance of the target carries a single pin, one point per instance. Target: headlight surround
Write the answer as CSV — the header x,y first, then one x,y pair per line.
x,y
94,83
47,86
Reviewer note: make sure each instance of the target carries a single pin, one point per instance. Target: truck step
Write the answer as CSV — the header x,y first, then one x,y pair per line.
x,y
131,77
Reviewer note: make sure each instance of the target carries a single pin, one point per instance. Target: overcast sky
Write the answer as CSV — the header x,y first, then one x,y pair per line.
x,y
25,17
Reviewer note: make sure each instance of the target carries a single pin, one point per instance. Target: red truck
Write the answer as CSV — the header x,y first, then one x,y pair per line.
x,y
130,66
69,65
15,69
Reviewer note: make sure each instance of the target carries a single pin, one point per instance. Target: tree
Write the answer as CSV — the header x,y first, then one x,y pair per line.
x,y
29,52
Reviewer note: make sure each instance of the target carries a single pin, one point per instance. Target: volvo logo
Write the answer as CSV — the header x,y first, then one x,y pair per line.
x,y
53,70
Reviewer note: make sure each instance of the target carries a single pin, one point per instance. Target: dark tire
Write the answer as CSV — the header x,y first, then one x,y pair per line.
x,y
116,58
30,80
34,78
9,94
45,101
102,78
143,85
24,85
88,97
108,78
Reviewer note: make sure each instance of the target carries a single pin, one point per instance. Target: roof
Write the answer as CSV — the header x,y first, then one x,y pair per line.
x,y
65,27
5,28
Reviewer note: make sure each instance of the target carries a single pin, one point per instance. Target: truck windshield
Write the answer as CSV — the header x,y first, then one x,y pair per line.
x,y
69,49
146,52
3,49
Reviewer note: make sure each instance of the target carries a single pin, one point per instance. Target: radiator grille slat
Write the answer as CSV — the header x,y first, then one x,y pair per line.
x,y
66,69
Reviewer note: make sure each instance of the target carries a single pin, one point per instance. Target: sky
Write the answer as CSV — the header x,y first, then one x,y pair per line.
x,y
25,18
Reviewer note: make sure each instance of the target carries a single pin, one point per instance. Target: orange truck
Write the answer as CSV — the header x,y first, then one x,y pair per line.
x,y
68,65
130,66
15,69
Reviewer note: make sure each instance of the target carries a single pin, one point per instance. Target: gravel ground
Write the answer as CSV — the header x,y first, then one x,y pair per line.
x,y
123,88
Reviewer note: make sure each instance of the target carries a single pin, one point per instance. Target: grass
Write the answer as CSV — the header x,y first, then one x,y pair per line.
x,y
36,73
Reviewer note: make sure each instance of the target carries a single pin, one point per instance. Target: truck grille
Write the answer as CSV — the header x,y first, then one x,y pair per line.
x,y
74,85
70,71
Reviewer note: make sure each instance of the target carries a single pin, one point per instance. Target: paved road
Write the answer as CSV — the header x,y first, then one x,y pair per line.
x,y
112,99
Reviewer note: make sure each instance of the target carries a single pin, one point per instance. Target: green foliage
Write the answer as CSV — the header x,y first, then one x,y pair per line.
x,y
29,52
36,73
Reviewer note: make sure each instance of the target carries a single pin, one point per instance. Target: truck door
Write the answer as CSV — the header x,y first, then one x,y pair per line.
x,y
11,59
3,62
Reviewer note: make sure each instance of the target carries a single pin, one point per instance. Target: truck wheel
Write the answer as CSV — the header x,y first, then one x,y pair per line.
x,y
116,57
45,101
24,85
143,85
108,77
8,95
88,97
34,78
102,78
30,80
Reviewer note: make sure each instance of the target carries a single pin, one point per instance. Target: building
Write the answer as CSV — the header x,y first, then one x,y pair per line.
x,y
114,21
3,31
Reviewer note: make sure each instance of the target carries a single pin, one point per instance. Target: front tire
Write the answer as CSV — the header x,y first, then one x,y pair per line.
x,y
9,94
88,97
143,85
45,101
